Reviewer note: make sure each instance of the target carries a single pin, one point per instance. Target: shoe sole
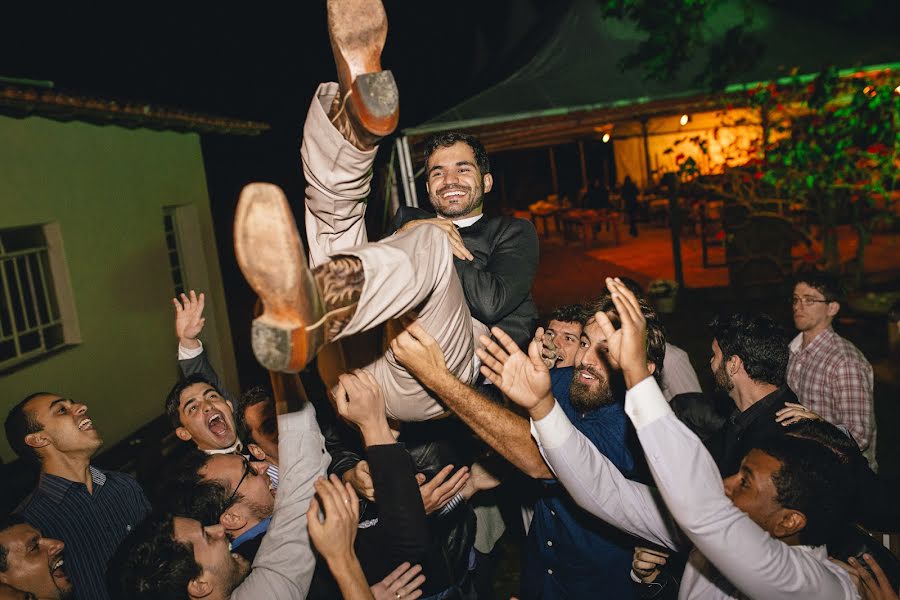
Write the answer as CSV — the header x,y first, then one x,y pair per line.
x,y
358,29
287,334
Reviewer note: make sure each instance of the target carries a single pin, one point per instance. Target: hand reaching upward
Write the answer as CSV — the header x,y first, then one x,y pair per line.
x,y
359,400
524,378
189,319
628,344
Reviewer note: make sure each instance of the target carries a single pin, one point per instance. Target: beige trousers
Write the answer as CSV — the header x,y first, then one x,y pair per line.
x,y
410,271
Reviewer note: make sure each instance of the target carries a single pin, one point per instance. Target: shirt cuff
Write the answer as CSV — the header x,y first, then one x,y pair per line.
x,y
553,430
189,353
645,403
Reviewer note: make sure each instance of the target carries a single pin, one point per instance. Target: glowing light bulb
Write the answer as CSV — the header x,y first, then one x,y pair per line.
x,y
684,120
605,138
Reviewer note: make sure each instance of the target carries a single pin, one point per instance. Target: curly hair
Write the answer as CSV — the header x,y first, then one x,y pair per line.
x,y
568,313
151,564
445,139
812,480
760,343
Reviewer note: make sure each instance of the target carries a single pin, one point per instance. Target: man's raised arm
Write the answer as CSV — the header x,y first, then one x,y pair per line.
x,y
503,430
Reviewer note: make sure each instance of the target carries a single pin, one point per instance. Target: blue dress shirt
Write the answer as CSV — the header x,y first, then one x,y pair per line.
x,y
570,553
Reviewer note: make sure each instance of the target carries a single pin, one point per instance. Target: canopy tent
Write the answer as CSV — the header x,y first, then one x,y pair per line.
x,y
574,90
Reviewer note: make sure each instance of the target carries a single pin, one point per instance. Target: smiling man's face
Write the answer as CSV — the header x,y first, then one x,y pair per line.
x,y
34,564
65,424
456,187
206,418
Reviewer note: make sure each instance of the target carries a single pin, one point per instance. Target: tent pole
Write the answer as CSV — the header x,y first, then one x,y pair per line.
x,y
409,177
584,173
398,144
649,167
553,177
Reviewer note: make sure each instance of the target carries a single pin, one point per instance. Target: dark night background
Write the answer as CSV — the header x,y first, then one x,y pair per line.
x,y
262,62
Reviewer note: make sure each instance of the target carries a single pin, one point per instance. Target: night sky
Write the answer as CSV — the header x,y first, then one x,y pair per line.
x,y
262,63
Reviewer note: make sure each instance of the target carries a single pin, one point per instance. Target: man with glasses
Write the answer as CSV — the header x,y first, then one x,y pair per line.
x,y
830,376
227,489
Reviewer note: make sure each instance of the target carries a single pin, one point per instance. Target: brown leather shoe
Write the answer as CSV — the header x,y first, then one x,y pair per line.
x,y
369,96
302,309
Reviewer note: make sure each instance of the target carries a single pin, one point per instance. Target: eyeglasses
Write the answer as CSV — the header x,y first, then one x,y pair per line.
x,y
247,468
807,301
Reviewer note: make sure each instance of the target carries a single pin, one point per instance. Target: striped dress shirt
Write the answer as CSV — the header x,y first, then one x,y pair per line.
x,y
91,525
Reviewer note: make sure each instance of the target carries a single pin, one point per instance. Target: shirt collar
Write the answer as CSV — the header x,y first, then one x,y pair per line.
x,y
251,533
56,487
796,344
462,223
743,419
235,448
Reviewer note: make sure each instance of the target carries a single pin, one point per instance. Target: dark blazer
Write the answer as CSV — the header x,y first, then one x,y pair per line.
x,y
497,283
742,429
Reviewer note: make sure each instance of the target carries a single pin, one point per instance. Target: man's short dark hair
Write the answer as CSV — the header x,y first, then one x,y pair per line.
x,y
568,313
188,494
814,481
656,333
151,564
173,399
19,423
445,139
828,435
827,283
252,397
760,342
5,523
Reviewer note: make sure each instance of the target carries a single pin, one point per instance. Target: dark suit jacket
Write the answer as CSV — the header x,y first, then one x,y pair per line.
x,y
742,429
497,283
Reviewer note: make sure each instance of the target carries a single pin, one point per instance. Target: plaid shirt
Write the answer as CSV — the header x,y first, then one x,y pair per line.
x,y
832,378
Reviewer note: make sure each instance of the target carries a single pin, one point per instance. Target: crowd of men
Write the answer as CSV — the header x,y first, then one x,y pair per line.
x,y
630,480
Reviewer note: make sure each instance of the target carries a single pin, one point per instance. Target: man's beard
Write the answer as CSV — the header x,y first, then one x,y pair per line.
x,y
585,397
259,510
723,381
456,210
238,571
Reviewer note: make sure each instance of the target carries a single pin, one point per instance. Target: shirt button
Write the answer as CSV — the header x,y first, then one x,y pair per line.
x,y
553,513
549,543
549,571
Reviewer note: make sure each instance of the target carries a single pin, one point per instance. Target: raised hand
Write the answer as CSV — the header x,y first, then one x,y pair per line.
x,y
360,478
189,318
628,344
438,492
358,399
524,378
480,479
456,242
334,535
419,354
403,582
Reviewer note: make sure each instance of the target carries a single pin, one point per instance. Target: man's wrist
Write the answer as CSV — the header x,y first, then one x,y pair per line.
x,y
377,433
441,382
189,343
341,561
542,408
635,376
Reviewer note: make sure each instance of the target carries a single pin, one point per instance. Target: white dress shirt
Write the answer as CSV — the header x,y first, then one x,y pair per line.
x,y
733,557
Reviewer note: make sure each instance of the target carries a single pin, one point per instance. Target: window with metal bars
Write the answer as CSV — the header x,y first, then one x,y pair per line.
x,y
31,319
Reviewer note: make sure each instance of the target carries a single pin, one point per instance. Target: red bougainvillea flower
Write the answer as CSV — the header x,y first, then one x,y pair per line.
x,y
758,175
720,235
878,148
854,198
779,106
